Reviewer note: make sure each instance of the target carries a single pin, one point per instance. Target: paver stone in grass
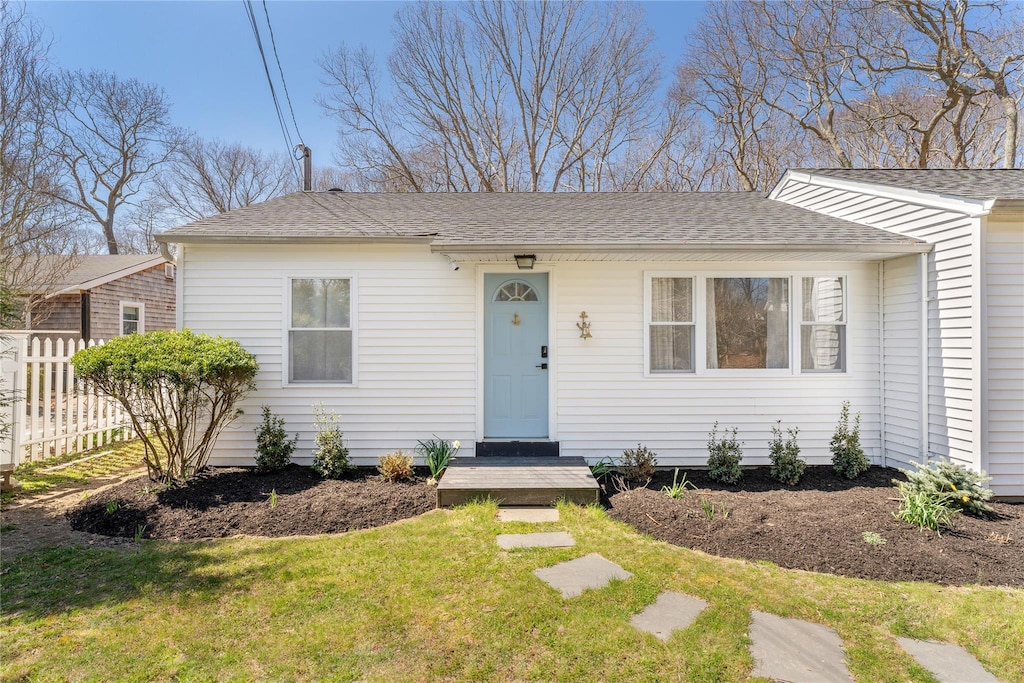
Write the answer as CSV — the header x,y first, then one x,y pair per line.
x,y
947,662
528,515
553,539
796,651
575,576
669,612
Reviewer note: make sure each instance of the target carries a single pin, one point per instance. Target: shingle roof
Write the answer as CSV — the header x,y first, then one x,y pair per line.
x,y
82,272
458,219
979,184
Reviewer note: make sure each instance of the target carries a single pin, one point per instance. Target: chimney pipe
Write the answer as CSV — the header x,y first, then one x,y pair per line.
x,y
307,169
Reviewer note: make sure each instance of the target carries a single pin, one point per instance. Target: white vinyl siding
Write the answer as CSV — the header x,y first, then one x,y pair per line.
x,y
1004,265
607,401
954,307
416,338
902,349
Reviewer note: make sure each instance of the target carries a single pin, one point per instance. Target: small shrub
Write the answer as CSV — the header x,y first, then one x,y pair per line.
x,y
873,538
787,467
724,455
330,457
396,466
602,468
438,453
954,485
678,488
638,464
113,506
848,457
273,449
923,510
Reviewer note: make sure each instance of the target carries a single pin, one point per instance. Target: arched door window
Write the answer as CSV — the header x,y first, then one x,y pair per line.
x,y
516,290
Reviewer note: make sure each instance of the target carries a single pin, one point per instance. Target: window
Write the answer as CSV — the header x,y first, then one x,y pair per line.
x,y
320,331
748,322
132,317
823,325
671,324
515,291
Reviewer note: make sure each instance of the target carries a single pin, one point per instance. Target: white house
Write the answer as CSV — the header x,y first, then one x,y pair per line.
x,y
588,323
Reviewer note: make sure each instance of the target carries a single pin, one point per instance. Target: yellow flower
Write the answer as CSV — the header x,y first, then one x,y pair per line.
x,y
954,486
456,444
964,499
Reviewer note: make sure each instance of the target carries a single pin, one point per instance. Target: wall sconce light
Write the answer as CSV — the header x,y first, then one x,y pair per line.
x,y
525,261
584,326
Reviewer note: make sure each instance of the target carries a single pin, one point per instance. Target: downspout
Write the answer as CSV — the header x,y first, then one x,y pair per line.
x,y
165,251
883,417
925,401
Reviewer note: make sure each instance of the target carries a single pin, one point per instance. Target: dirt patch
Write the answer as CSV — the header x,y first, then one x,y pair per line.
x,y
233,501
819,526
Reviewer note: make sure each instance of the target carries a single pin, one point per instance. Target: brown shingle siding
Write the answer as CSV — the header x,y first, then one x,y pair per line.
x,y
149,287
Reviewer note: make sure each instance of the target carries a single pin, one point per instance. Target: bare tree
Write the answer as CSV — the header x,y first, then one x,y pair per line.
x,y
208,177
111,135
32,222
501,97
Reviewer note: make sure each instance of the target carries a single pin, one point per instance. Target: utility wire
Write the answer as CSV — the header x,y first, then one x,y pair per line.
x,y
273,92
277,58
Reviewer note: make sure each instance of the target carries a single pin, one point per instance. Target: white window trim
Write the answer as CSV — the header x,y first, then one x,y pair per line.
x,y
648,322
286,327
142,316
700,277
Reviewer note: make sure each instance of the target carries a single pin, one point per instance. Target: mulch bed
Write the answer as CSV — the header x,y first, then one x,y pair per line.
x,y
818,525
236,501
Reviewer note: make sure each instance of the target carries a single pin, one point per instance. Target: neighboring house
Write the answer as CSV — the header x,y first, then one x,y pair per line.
x,y
597,321
99,297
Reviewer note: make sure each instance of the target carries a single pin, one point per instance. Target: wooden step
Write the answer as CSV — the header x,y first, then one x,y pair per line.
x,y
518,481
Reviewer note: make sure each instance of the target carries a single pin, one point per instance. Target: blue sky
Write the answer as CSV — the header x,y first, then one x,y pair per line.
x,y
205,57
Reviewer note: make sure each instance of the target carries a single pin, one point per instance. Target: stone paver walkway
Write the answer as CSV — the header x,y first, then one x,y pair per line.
x,y
669,612
533,515
575,576
554,539
948,663
796,651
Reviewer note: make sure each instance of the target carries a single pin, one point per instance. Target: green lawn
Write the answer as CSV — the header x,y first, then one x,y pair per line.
x,y
434,598
75,469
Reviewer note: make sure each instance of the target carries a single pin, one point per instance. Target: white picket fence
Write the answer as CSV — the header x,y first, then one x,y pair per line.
x,y
56,413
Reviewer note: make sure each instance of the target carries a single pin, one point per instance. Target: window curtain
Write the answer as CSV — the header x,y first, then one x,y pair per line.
x,y
712,324
661,310
777,314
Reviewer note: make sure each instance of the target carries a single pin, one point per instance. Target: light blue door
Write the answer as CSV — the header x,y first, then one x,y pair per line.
x,y
515,356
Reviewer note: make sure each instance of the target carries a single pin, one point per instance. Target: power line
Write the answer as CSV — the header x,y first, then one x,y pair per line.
x,y
287,97
273,92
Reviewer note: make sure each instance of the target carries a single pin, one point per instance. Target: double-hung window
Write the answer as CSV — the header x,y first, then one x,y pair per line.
x,y
320,330
823,325
132,318
671,324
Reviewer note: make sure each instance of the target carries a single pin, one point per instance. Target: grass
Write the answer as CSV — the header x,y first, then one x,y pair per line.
x,y
75,469
433,598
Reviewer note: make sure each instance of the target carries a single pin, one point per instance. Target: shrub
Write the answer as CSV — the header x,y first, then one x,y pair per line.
x,y
679,486
273,449
330,457
724,455
638,464
848,457
787,466
179,389
954,485
927,512
438,453
396,466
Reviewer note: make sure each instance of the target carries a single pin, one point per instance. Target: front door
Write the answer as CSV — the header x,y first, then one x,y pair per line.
x,y
515,356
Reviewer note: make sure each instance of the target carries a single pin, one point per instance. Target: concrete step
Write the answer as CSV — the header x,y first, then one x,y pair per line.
x,y
538,481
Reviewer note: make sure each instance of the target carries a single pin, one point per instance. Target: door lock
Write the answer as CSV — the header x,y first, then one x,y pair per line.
x,y
543,366
543,352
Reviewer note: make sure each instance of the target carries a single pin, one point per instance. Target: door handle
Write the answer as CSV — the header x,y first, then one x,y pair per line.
x,y
542,366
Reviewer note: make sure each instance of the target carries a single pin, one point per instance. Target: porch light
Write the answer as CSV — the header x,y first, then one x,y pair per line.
x,y
525,261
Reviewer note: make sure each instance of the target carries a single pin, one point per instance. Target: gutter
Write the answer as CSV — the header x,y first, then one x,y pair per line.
x,y
907,247
172,238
